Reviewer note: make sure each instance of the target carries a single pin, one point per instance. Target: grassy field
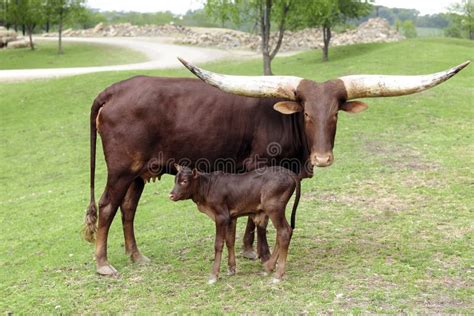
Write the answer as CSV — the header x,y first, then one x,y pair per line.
x,y
429,32
75,55
389,228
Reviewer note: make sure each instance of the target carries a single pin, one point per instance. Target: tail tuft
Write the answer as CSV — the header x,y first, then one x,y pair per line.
x,y
90,223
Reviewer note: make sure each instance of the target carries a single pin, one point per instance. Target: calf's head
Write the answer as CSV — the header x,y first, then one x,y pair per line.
x,y
321,102
184,183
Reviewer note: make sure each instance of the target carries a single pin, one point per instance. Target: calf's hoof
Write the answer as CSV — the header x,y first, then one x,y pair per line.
x,y
106,270
268,266
140,259
249,254
212,279
231,271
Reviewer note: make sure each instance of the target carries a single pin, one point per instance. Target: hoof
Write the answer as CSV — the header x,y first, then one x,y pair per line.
x,y
107,270
212,280
264,258
231,271
276,281
249,254
140,259
268,267
264,273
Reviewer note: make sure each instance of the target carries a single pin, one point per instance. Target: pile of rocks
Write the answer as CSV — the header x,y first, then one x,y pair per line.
x,y
374,30
124,30
9,38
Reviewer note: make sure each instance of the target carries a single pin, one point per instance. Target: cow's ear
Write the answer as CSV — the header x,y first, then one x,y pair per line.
x,y
353,106
288,107
178,167
195,173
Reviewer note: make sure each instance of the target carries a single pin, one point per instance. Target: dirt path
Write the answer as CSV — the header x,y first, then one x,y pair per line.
x,y
160,52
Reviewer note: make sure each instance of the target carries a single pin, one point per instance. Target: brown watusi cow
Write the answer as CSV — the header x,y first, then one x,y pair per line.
x,y
147,124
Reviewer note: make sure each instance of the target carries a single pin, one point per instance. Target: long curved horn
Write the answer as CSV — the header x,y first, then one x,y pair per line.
x,y
362,86
251,86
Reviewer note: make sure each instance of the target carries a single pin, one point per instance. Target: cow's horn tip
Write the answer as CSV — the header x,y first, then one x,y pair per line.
x,y
464,64
184,62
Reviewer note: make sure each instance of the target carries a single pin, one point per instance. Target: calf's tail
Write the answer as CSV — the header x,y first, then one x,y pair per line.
x,y
295,203
90,220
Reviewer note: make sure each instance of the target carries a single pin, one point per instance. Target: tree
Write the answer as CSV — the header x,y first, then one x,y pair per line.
x,y
27,13
263,13
462,19
61,10
328,13
409,29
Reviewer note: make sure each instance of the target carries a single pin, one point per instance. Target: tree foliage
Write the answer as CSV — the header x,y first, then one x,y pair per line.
x,y
461,20
265,15
329,13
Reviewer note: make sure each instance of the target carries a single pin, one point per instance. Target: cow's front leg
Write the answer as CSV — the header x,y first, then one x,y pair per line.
x,y
263,250
249,236
128,208
221,223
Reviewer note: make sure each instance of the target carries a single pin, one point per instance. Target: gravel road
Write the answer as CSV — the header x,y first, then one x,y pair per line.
x,y
160,52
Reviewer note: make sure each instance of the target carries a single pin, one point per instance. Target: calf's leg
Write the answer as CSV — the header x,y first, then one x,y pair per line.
x,y
128,208
109,202
218,246
230,242
284,233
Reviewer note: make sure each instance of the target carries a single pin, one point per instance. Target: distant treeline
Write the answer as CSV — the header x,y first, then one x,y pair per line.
x,y
88,18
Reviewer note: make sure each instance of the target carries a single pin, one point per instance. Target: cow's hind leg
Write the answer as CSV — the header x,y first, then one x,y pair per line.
x,y
128,208
109,202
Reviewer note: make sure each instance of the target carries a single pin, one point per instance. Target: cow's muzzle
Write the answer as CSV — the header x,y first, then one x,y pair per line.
x,y
322,160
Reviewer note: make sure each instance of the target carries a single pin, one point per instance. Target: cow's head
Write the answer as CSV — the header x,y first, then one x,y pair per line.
x,y
321,102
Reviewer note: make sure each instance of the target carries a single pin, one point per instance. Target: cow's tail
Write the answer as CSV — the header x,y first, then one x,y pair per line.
x,y
90,220
295,203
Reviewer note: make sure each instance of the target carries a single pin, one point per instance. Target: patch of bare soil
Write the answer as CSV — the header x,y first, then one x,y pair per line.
x,y
399,157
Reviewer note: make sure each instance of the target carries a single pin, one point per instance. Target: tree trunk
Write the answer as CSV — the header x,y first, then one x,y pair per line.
x,y
60,34
281,30
30,35
265,11
326,39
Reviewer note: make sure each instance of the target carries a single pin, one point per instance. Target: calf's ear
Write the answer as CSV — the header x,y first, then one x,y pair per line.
x,y
288,107
195,173
353,106
178,167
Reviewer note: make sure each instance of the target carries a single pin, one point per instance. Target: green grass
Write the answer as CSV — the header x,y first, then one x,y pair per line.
x,y
75,55
387,229
429,32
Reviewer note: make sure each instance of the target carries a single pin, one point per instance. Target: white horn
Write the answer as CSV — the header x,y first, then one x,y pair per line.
x,y
362,86
251,86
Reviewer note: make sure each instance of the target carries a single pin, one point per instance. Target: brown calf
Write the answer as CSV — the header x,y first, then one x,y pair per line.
x,y
224,197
